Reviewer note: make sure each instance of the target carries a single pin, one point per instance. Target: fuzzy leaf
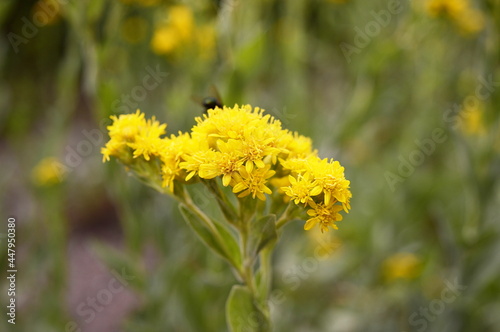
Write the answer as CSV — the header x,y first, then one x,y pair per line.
x,y
227,248
242,314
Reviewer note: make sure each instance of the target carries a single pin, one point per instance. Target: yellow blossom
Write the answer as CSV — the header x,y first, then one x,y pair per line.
x,y
324,215
472,120
171,155
401,266
467,19
253,182
178,31
301,189
48,171
247,149
225,162
132,131
451,8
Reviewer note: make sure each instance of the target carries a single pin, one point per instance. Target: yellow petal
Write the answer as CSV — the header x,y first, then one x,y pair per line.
x,y
226,179
310,223
249,166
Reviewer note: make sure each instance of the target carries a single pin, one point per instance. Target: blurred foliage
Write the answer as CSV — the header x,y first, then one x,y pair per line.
x,y
370,82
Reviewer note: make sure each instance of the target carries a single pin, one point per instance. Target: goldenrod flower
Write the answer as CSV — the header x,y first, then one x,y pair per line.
x,y
133,131
226,163
180,32
244,148
324,215
302,188
252,182
48,171
330,177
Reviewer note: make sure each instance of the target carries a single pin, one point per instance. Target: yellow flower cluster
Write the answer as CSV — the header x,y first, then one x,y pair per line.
x,y
468,19
180,31
248,150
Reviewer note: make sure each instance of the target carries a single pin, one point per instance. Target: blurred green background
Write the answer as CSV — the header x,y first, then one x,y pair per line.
x,y
405,94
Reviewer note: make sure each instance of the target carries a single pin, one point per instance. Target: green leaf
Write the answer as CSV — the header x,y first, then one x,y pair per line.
x,y
262,233
242,313
223,243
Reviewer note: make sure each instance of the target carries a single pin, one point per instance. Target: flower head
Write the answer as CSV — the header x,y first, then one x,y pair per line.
x,y
252,181
135,132
248,150
302,189
324,215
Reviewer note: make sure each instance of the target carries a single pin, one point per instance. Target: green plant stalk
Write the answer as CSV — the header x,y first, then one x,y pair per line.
x,y
249,274
183,197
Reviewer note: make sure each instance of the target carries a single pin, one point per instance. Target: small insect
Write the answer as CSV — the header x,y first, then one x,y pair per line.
x,y
210,102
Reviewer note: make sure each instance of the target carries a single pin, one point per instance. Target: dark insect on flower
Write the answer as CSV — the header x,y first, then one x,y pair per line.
x,y
210,102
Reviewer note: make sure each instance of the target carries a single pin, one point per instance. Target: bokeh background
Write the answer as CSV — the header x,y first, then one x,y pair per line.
x,y
405,94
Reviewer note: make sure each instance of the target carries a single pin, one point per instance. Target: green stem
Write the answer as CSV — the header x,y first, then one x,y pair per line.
x,y
260,295
225,205
266,271
248,276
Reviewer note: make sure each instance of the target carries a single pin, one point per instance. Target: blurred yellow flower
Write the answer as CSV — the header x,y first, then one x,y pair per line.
x,y
180,32
165,40
467,19
48,171
472,120
46,12
450,8
401,266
